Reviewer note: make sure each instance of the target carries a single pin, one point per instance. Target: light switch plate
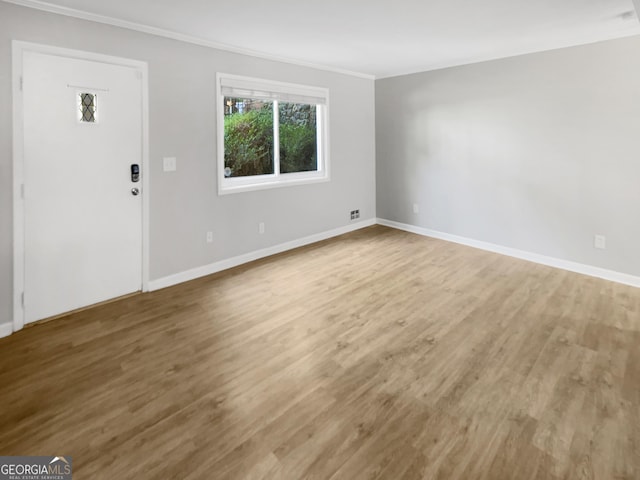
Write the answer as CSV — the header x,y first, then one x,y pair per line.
x,y
169,164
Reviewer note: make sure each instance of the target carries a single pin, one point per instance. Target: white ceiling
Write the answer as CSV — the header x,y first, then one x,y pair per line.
x,y
374,37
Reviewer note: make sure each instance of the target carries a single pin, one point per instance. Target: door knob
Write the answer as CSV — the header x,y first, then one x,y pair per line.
x,y
135,191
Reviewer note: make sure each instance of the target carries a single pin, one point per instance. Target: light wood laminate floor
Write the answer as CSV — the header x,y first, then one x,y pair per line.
x,y
375,355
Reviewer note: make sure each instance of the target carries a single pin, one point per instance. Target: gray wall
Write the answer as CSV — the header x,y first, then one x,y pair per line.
x,y
185,204
538,152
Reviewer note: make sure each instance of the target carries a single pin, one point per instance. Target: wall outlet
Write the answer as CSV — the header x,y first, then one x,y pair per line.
x,y
416,208
169,164
355,214
600,242
209,237
261,228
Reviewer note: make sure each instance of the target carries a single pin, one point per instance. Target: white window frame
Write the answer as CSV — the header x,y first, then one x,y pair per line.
x,y
249,87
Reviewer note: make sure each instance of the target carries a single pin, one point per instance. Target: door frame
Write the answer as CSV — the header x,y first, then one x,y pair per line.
x,y
19,48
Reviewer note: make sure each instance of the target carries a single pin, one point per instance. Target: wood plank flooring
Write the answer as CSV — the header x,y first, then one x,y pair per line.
x,y
375,355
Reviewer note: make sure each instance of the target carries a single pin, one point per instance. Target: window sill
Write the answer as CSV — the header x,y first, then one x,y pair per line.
x,y
267,185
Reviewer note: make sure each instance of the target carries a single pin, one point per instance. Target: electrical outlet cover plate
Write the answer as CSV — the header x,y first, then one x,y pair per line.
x,y
169,164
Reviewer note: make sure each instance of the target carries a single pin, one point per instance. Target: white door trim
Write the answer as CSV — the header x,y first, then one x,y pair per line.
x,y
18,50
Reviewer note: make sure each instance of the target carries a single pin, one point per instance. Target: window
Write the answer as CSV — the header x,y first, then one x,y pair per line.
x,y
270,134
87,107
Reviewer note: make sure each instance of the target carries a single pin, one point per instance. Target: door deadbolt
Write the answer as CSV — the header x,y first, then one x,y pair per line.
x,y
135,172
135,191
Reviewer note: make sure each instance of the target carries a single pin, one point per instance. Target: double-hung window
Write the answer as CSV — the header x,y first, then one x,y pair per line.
x,y
270,134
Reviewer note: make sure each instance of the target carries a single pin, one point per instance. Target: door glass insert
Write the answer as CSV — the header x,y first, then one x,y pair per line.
x,y
88,107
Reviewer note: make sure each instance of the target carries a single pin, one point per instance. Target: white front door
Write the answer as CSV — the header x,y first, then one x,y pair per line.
x,y
82,222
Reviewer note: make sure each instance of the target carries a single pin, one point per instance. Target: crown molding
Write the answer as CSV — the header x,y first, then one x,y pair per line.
x,y
160,32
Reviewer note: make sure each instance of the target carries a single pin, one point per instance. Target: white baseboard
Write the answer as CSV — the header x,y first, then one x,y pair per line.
x,y
6,329
251,256
590,270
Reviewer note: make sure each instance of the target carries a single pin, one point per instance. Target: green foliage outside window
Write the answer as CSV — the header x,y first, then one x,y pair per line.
x,y
249,138
248,142
298,149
